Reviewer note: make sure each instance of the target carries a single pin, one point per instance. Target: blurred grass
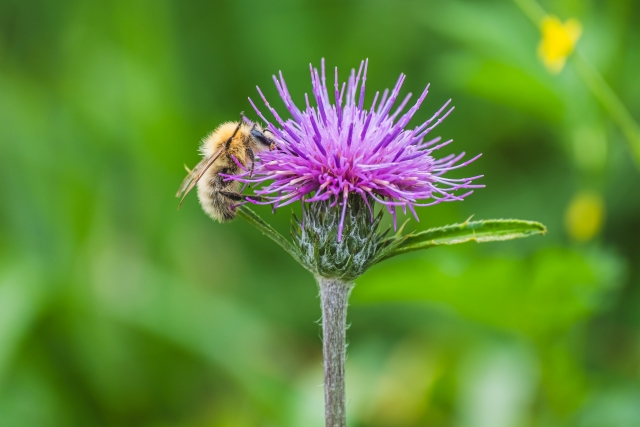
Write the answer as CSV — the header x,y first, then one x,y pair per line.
x,y
117,310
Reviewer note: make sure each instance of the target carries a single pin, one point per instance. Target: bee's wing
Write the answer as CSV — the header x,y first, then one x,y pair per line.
x,y
190,174
194,175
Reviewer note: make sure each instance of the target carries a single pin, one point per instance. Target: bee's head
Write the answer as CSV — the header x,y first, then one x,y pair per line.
x,y
263,139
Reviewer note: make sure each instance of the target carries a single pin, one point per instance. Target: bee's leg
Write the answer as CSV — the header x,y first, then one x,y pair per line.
x,y
251,157
236,197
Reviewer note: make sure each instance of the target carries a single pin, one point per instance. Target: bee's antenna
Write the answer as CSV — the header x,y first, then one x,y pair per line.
x,y
247,119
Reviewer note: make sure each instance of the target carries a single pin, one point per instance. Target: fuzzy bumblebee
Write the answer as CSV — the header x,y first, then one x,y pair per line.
x,y
228,150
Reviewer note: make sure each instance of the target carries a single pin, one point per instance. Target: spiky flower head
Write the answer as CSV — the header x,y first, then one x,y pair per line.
x,y
333,150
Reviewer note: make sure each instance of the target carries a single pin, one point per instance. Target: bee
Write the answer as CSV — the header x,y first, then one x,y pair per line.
x,y
226,150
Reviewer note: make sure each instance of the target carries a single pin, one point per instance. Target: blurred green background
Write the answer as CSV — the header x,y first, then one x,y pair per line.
x,y
118,310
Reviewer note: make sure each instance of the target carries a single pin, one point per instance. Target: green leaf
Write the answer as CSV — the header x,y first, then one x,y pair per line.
x,y
255,220
492,230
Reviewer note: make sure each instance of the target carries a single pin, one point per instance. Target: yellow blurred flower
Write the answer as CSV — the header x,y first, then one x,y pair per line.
x,y
584,216
558,41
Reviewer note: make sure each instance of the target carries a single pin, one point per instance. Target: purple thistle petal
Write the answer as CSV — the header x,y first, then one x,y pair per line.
x,y
318,93
350,135
240,165
402,105
337,101
392,98
373,104
364,79
273,111
383,100
440,120
257,111
284,94
344,211
366,126
317,138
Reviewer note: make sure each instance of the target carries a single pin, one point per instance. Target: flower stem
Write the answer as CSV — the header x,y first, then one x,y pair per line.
x,y
334,297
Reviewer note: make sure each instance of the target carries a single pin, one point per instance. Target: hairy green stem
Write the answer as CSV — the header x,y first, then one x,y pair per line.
x,y
334,297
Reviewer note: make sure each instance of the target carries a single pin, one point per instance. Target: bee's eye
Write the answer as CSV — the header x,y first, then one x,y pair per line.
x,y
259,136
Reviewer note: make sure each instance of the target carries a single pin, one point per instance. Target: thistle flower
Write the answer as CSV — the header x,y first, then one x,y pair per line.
x,y
332,151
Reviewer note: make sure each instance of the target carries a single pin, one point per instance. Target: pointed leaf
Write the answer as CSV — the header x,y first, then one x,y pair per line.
x,y
479,231
255,220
